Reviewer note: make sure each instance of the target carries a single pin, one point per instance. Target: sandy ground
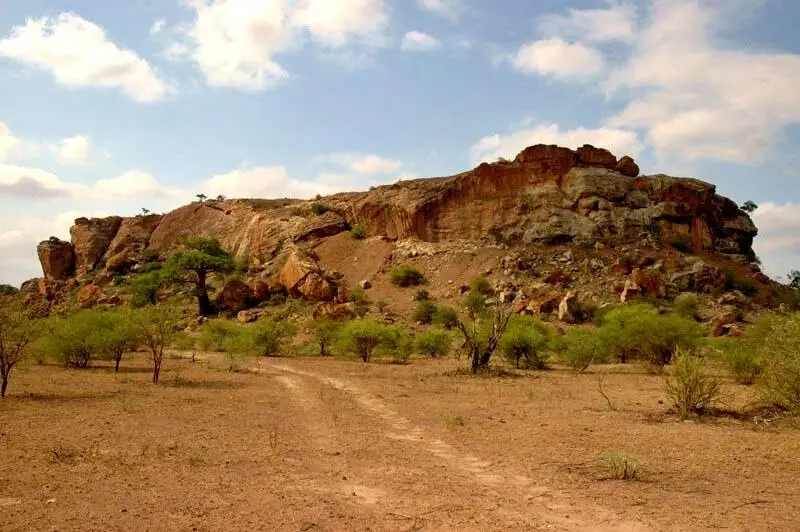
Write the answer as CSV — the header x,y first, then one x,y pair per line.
x,y
315,444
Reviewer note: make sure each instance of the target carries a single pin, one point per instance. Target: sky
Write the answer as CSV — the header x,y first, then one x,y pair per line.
x,y
111,107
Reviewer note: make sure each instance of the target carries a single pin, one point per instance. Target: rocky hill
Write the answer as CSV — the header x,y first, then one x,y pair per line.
x,y
553,216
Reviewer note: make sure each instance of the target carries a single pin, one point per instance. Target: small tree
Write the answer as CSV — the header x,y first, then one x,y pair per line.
x,y
145,212
425,312
17,332
405,276
118,334
483,327
271,335
202,197
749,207
362,338
192,265
156,328
794,279
446,317
526,339
324,333
75,339
434,343
144,288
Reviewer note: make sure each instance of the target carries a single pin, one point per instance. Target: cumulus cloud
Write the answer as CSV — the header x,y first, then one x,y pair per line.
x,y
263,182
73,150
236,43
559,59
615,23
363,164
445,8
416,41
24,182
491,148
699,100
778,241
10,146
78,53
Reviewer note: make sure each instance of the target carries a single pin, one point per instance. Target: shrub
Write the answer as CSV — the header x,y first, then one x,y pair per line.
x,y
640,332
405,276
682,243
398,344
324,333
580,348
361,338
7,290
779,382
434,344
422,295
157,326
425,312
149,255
117,334
685,305
446,317
359,297
359,232
689,388
621,466
144,289
526,339
271,335
742,359
218,335
482,286
320,208
17,334
118,280
75,339
585,311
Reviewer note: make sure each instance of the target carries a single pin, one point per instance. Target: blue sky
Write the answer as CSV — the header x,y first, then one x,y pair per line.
x,y
111,107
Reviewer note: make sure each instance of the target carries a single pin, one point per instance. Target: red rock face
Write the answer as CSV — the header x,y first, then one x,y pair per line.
x,y
597,157
90,239
57,259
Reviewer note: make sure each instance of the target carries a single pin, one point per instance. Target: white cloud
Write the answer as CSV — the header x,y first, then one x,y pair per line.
x,y
374,164
73,150
618,141
341,22
23,183
446,8
416,41
700,100
778,241
616,23
10,146
559,59
262,182
235,43
158,26
78,53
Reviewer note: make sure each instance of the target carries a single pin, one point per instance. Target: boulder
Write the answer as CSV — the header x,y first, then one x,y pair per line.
x,y
91,239
248,316
598,157
334,311
558,277
234,296
57,258
261,291
629,291
567,308
649,283
301,276
627,167
720,324
734,299
89,295
365,285
31,286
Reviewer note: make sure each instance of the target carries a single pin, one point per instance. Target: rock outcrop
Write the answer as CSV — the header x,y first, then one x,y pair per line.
x,y
57,259
546,195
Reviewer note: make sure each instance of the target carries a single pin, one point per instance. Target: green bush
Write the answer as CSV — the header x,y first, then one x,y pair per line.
x,y
7,290
585,311
425,312
320,208
359,232
640,332
75,340
690,389
446,317
685,305
580,348
359,297
219,335
482,286
144,289
397,344
526,340
434,344
405,276
682,243
271,335
422,295
779,382
324,333
362,338
149,255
